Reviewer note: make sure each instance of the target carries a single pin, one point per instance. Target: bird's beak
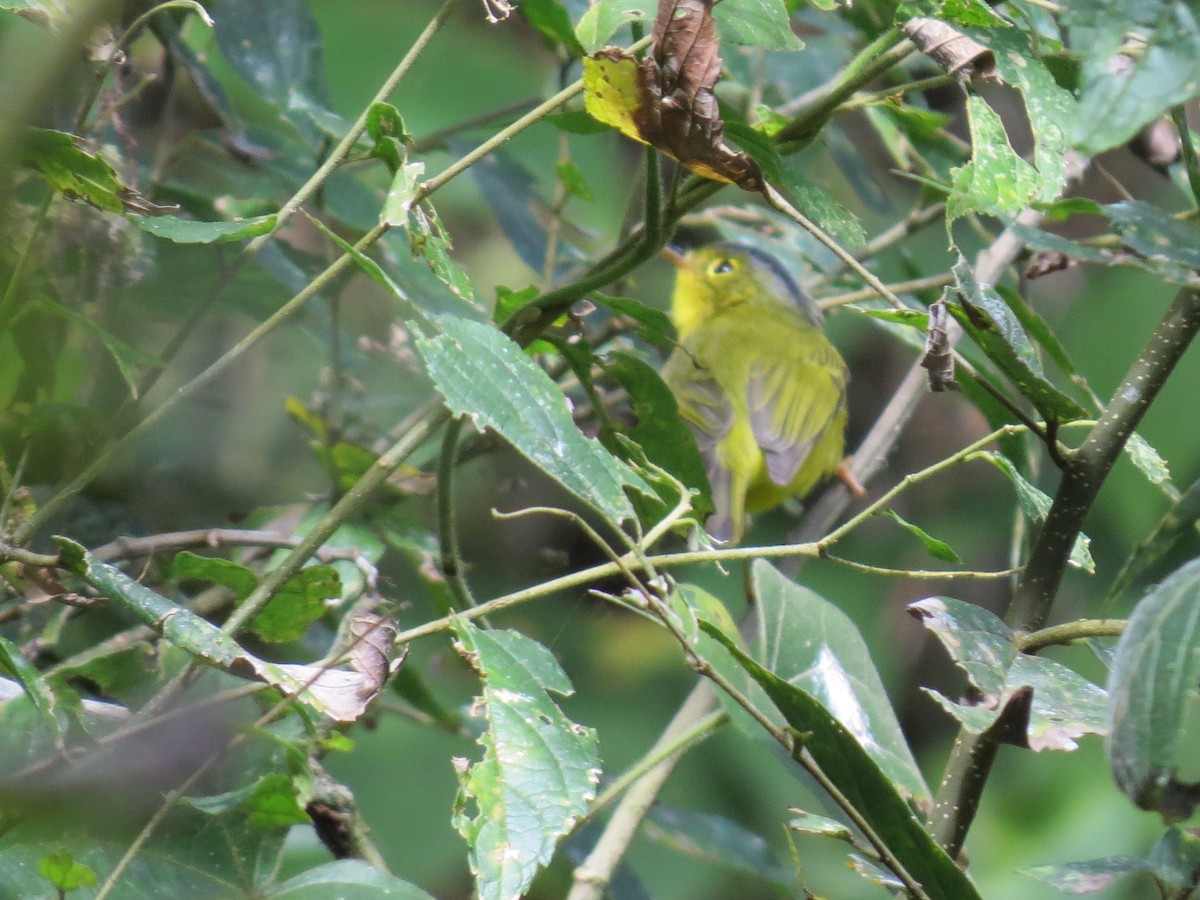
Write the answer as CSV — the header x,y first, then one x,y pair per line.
x,y
677,259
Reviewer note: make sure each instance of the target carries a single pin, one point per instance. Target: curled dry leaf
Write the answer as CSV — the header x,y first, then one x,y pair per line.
x,y
939,355
369,650
950,49
667,100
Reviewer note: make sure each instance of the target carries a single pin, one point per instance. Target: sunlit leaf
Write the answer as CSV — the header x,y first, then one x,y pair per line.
x,y
64,872
808,642
1152,685
844,760
539,769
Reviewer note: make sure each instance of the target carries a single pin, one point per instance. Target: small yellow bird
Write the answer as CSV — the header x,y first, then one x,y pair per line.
x,y
756,380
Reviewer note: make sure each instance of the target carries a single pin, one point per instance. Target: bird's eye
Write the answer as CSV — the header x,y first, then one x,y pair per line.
x,y
722,266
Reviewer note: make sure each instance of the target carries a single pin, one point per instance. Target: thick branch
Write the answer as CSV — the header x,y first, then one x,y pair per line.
x,y
1088,467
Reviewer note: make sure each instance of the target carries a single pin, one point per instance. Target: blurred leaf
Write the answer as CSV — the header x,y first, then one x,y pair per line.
x,y
409,684
299,601
1148,460
1035,504
573,181
481,373
511,190
809,643
39,691
1048,106
1088,876
336,693
820,206
916,139
552,20
716,839
821,826
62,871
1177,522
1152,684
998,333
844,761
235,576
997,181
1119,93
274,45
659,431
539,769
756,23
188,231
935,548
1175,862
273,803
913,318
1064,707
77,174
130,361
509,301
601,20
345,879
1156,234
1037,328
654,325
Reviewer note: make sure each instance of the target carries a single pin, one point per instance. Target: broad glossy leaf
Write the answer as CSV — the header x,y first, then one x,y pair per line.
x,y
482,373
756,23
719,840
808,642
997,181
189,231
345,879
1035,505
1152,685
539,769
844,761
1118,94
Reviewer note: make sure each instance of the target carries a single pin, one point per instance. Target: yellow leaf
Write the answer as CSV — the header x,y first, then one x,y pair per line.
x,y
611,92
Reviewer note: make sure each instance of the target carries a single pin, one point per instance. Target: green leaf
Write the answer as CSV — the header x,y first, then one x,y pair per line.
x,y
820,826
430,240
716,839
482,373
345,879
654,325
1118,94
35,685
996,181
234,576
820,206
188,231
1148,460
1088,876
809,643
1152,685
299,601
601,20
986,317
1037,328
1035,504
1177,523
539,769
913,318
385,127
756,23
1048,106
398,202
844,761
62,871
552,20
1065,706
409,684
273,803
72,171
1156,234
130,361
935,548
573,180
275,46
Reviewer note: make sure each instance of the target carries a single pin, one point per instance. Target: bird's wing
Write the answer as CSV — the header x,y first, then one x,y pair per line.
x,y
788,422
705,407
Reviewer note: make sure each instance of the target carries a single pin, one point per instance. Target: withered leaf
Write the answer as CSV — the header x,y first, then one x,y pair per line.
x,y
956,53
939,355
667,101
